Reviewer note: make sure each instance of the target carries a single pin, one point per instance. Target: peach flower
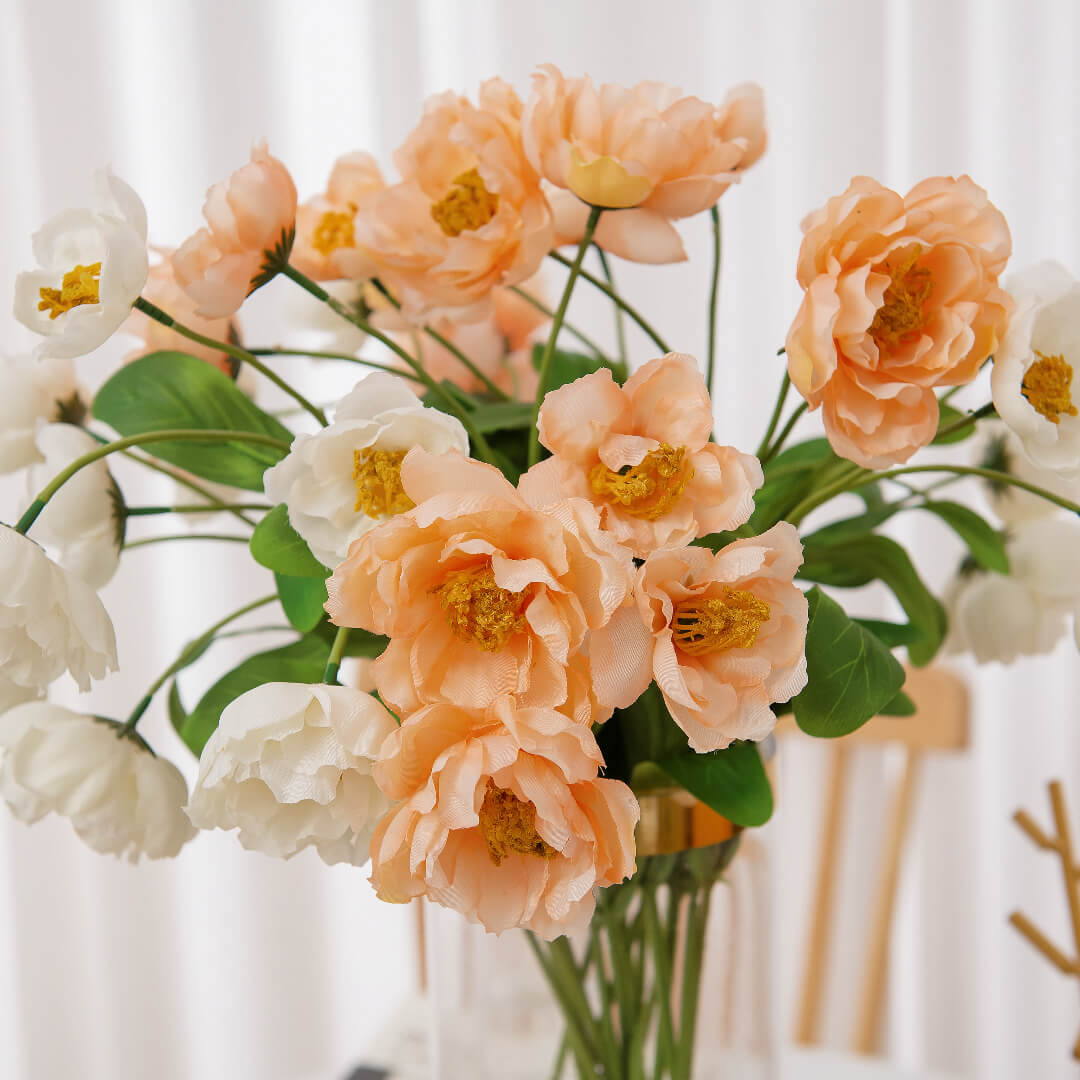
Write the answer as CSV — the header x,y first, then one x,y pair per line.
x,y
641,454
503,818
325,246
468,213
482,595
729,633
646,151
902,296
250,213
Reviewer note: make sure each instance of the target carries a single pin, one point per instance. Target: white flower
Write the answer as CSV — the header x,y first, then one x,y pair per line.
x,y
290,766
1013,504
93,266
50,622
1045,555
31,391
84,520
345,479
1034,376
121,799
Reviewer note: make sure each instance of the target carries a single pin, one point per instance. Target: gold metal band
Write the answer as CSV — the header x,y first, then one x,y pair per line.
x,y
673,820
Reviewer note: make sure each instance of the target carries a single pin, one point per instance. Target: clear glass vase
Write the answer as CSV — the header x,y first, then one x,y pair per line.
x,y
672,981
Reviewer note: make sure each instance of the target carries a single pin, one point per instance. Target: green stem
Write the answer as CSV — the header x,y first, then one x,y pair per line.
x,y
969,420
576,1031
620,324
550,313
234,351
781,397
693,955
167,435
556,326
182,478
593,280
337,651
986,474
785,432
184,536
714,292
186,652
665,1035
319,354
837,486
192,508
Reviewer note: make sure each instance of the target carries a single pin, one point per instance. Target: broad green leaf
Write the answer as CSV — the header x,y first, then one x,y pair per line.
x,y
986,544
358,643
302,599
303,661
175,390
732,782
566,367
821,564
901,705
947,415
502,416
177,715
891,634
851,675
846,528
787,481
279,547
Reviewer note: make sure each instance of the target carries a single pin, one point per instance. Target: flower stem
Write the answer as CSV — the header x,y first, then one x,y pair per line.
x,y
318,354
192,508
714,292
620,323
781,397
184,536
181,478
550,313
787,429
969,420
234,351
576,1029
665,1036
693,955
337,651
556,326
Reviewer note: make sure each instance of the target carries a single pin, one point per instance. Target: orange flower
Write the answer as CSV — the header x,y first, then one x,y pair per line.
x,y
641,454
902,296
325,246
248,214
481,595
647,151
729,634
503,818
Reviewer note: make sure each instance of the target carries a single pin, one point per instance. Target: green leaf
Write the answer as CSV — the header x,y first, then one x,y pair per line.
x,y
786,481
358,643
851,676
177,715
175,390
732,781
566,367
853,526
948,415
901,705
984,541
303,661
279,547
502,416
891,634
302,599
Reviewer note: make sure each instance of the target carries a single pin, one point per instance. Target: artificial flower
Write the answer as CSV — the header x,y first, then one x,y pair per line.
x,y
641,453
343,480
901,297
32,391
1004,452
646,151
482,595
121,799
50,622
1033,375
93,267
729,634
503,818
468,213
290,767
249,215
325,246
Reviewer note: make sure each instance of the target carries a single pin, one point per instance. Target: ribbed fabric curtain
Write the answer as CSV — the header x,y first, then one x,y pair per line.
x,y
225,965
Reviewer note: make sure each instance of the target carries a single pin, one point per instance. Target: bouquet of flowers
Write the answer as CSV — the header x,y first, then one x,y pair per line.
x,y
567,594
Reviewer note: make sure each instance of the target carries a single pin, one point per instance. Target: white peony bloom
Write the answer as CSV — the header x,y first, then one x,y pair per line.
x,y
1034,375
93,267
31,391
1045,555
345,479
1012,504
290,767
84,520
121,799
50,621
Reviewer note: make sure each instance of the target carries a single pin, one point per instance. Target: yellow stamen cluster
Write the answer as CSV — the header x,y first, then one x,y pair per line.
x,y
901,315
478,610
467,205
647,490
509,825
79,286
377,474
334,230
731,621
1047,386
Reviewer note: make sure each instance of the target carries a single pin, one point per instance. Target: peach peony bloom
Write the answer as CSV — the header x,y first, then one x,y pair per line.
x,y
468,213
641,454
902,296
482,595
325,247
503,818
647,151
250,213
729,634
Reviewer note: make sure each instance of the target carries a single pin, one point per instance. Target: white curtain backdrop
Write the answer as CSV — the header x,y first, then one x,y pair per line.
x,y
225,965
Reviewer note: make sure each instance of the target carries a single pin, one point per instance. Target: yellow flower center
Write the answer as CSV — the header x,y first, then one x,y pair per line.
x,y
1047,384
647,490
901,314
731,621
480,611
79,286
378,482
467,205
509,825
334,230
